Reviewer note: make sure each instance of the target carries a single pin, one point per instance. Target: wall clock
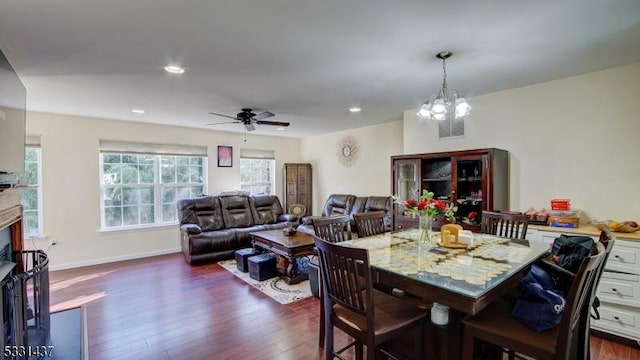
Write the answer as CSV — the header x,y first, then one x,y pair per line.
x,y
347,151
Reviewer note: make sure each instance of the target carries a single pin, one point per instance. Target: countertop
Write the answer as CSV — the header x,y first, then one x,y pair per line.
x,y
589,230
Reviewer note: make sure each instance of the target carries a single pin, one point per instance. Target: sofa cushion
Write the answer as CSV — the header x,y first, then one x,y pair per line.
x,y
204,211
338,204
380,203
266,209
236,211
212,241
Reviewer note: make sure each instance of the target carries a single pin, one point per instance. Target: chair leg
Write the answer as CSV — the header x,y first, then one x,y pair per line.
x,y
371,349
467,344
321,330
359,351
328,344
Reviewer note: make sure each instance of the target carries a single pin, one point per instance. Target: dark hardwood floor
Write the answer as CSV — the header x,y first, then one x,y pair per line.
x,y
162,308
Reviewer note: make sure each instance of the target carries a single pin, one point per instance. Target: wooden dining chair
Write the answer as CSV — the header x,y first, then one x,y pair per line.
x,y
371,317
495,325
334,228
583,344
513,226
369,223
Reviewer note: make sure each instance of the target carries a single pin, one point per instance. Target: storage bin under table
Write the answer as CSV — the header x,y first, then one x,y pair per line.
x,y
242,256
262,267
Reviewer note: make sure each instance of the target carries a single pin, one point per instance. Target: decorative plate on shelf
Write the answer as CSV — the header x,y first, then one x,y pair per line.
x,y
297,209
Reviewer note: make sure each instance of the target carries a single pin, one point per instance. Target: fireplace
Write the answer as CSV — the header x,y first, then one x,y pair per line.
x,y
24,289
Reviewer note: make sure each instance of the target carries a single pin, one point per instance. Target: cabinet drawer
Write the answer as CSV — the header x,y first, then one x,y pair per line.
x,y
618,320
619,288
625,257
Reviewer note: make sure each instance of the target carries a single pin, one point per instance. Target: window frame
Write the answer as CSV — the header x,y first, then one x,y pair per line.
x,y
157,185
272,174
38,188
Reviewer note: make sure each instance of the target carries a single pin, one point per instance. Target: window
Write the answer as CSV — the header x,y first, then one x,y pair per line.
x,y
32,195
142,188
257,171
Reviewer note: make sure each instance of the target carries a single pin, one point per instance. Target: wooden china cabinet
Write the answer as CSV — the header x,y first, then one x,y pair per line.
x,y
475,180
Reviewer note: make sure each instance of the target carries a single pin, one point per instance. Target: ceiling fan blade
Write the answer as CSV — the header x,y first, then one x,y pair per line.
x,y
250,127
223,115
224,122
274,123
264,115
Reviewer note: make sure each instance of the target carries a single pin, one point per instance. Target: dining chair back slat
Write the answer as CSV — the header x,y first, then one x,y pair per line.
x,y
334,228
512,226
369,223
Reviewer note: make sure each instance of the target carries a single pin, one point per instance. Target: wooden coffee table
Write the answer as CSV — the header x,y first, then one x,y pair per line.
x,y
287,249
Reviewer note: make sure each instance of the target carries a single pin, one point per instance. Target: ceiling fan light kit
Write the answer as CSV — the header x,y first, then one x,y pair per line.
x,y
445,103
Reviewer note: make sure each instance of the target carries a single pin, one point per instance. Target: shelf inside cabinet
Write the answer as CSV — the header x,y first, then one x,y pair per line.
x,y
437,179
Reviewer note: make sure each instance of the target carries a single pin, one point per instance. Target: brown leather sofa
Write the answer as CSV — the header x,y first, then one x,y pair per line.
x,y
346,204
213,227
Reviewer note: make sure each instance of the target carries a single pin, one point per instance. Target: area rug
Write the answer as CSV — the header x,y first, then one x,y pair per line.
x,y
275,287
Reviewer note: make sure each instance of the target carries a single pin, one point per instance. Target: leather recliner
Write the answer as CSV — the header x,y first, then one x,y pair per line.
x,y
345,204
213,227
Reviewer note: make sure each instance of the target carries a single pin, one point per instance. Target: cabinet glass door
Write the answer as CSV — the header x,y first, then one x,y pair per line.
x,y
407,186
470,188
436,177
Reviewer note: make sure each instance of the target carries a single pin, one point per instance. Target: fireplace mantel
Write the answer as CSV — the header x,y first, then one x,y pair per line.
x,y
11,216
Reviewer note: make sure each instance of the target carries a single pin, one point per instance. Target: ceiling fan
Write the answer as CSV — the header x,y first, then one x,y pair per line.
x,y
248,118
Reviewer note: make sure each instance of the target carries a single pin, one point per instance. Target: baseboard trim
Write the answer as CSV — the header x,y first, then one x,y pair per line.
x,y
113,259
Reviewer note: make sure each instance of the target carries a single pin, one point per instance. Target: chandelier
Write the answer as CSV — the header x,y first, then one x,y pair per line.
x,y
445,102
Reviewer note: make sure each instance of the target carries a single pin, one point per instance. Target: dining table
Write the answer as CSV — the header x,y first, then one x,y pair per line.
x,y
465,279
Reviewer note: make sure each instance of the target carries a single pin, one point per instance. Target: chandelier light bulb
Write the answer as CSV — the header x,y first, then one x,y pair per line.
x,y
438,107
439,117
425,111
462,108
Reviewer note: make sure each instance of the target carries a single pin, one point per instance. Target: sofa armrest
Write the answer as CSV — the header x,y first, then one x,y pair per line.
x,y
288,217
191,228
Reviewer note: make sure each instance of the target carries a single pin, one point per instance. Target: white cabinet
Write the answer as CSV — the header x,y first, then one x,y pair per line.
x,y
619,288
619,292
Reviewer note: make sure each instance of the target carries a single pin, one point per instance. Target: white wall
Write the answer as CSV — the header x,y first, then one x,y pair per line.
x,y
71,187
575,138
370,175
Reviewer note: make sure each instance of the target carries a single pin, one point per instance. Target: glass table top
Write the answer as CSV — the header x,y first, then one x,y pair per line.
x,y
485,263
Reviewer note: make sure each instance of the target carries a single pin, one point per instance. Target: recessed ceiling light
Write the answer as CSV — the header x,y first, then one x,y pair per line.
x,y
138,111
355,109
281,129
174,69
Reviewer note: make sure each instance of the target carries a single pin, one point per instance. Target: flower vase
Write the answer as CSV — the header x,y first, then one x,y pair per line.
x,y
424,225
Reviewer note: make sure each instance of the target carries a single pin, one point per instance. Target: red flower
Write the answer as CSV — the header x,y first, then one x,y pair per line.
x,y
410,203
422,204
441,205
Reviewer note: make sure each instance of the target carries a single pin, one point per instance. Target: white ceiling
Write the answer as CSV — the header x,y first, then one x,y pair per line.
x,y
307,61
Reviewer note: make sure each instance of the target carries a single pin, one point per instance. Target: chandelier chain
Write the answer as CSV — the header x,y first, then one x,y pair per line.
x,y
444,80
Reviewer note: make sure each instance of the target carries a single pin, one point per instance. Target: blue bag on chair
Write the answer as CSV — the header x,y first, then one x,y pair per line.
x,y
540,306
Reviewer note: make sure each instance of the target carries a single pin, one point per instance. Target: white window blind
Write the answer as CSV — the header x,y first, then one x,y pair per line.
x,y
257,154
32,140
123,147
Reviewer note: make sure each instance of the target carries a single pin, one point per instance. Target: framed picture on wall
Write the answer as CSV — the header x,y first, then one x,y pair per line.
x,y
225,156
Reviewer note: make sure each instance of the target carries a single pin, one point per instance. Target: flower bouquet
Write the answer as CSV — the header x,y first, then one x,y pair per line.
x,y
426,208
